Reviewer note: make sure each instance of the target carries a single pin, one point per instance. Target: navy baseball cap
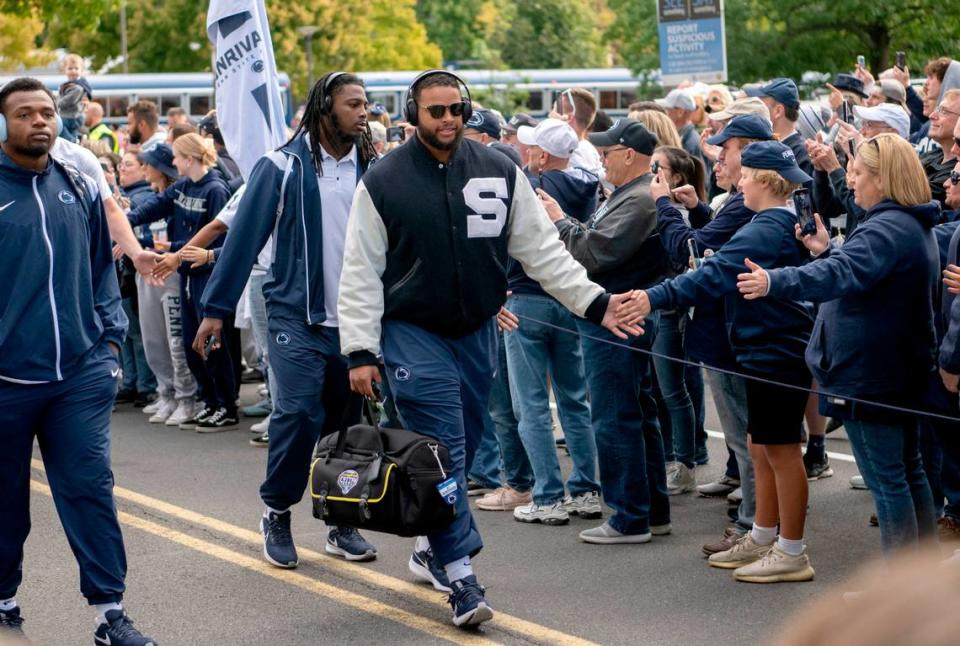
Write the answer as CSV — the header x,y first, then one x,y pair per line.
x,y
781,90
161,158
750,126
628,132
485,121
850,83
775,156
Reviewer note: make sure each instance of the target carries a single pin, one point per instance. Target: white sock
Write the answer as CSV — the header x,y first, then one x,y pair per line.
x,y
791,547
8,604
422,544
459,569
102,610
763,535
275,511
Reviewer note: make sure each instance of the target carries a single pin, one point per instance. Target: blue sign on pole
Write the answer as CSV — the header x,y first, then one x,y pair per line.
x,y
692,41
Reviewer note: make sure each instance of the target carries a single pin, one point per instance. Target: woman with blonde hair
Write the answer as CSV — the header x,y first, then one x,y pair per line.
x,y
874,338
196,199
659,124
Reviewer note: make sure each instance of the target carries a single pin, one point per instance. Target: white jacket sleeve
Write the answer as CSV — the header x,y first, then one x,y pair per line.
x,y
360,303
535,242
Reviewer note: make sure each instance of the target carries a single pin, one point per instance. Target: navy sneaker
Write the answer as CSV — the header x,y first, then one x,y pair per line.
x,y
348,543
278,547
425,566
469,605
119,631
11,625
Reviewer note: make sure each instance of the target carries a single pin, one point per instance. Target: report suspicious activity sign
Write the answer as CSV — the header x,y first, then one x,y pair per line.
x,y
692,41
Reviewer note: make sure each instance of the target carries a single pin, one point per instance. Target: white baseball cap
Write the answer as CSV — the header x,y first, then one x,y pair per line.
x,y
556,137
888,113
678,99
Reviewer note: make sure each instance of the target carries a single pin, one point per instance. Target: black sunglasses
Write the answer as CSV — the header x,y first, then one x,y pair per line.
x,y
954,177
437,111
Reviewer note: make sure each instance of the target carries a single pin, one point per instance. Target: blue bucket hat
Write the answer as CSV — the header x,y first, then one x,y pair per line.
x,y
161,158
750,126
775,156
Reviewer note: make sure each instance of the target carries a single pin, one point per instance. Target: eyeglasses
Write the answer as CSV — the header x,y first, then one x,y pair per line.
x,y
607,151
943,110
437,111
954,177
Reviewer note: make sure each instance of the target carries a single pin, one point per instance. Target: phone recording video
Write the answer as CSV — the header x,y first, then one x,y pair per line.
x,y
804,208
395,133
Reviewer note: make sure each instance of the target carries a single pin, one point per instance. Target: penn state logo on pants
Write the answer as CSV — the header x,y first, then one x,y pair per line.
x,y
348,480
283,339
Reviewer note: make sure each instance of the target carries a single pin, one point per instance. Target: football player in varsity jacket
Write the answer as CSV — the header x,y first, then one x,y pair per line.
x,y
428,238
61,328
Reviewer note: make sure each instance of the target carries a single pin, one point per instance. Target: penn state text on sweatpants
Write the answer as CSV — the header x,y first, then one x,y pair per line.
x,y
624,413
71,421
442,387
216,377
313,389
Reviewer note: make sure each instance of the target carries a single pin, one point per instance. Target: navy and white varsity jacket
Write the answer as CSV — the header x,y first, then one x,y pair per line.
x,y
428,241
59,297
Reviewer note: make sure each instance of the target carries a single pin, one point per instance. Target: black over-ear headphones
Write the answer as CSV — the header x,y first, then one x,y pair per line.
x,y
411,109
326,102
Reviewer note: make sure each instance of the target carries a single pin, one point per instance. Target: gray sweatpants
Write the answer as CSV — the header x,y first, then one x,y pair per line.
x,y
163,343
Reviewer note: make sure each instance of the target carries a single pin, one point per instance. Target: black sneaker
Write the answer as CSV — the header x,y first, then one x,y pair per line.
x,y
118,630
469,604
278,547
817,469
191,423
11,625
477,489
348,543
125,396
425,566
220,420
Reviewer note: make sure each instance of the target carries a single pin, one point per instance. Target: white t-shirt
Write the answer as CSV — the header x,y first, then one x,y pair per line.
x,y
84,161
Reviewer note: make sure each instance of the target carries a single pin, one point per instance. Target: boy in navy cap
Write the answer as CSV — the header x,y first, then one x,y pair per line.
x,y
783,99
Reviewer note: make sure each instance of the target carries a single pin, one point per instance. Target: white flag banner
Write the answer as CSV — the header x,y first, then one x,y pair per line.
x,y
249,108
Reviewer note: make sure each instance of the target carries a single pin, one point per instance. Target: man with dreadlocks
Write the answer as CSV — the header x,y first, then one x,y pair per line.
x,y
301,195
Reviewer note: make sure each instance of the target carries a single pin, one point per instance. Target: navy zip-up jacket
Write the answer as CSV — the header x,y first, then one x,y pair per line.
x,y
874,333
575,190
139,193
194,205
705,338
948,321
768,336
282,198
59,297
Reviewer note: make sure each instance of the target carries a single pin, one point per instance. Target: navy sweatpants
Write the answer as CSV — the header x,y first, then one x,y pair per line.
x,y
71,421
442,387
313,389
216,377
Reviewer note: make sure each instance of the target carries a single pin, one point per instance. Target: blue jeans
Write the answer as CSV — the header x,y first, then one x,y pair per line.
x,y
632,471
694,378
730,398
516,465
889,459
679,435
136,373
535,351
442,390
485,467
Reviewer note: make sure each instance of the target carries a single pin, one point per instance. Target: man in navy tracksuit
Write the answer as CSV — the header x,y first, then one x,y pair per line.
x,y
61,329
300,196
427,243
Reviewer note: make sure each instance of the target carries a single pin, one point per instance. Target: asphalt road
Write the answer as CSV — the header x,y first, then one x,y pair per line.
x,y
189,509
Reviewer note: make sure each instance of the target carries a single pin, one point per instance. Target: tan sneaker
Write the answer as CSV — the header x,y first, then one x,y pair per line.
x,y
504,499
743,552
949,530
775,566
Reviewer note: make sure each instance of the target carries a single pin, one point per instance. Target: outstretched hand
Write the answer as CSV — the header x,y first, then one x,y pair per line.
x,y
754,284
621,319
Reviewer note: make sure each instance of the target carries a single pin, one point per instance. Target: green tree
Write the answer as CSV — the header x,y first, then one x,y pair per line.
x,y
464,31
554,34
81,13
18,42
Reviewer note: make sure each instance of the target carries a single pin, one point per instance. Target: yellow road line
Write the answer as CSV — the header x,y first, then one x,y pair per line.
x,y
501,620
357,601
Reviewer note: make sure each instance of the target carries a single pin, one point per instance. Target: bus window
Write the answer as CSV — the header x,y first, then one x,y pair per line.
x,y
535,100
388,99
626,98
117,106
199,105
608,100
168,101
154,99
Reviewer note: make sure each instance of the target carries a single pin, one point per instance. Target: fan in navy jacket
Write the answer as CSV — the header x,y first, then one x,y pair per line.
x,y
61,327
298,197
427,244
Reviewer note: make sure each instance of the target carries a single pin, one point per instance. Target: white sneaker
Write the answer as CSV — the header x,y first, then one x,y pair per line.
x,y
165,408
735,497
261,427
856,482
154,406
186,408
681,480
262,391
585,505
553,514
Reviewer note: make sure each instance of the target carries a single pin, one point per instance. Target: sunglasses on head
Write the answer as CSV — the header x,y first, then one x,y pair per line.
x,y
437,111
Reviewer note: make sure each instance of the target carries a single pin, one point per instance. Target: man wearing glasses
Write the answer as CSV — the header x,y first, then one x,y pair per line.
x,y
621,250
938,163
428,238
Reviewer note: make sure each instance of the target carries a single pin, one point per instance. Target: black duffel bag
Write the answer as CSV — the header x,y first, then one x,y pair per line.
x,y
382,479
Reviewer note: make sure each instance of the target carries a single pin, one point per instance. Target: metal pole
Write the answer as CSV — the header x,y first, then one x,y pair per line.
x,y
308,43
123,36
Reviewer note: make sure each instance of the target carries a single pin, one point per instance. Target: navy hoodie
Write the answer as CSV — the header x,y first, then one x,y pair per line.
x,y
575,190
59,296
768,335
194,205
874,333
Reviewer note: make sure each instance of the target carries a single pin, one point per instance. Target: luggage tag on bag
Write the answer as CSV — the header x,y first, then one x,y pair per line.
x,y
447,488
